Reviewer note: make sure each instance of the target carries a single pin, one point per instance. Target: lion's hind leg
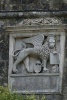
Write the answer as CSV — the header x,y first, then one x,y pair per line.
x,y
22,55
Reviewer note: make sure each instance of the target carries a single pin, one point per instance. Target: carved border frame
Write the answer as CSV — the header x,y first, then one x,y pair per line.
x,y
25,33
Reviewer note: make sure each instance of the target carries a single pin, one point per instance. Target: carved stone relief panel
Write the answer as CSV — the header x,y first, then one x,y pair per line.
x,y
36,60
38,54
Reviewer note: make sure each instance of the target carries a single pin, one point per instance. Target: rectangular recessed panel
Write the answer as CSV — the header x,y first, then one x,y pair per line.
x,y
37,84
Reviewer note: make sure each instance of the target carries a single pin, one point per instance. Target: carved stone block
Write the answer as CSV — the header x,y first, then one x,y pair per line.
x,y
36,57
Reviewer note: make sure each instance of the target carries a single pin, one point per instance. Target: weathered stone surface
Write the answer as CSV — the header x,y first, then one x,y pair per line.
x,y
54,97
53,5
65,93
3,55
4,63
3,72
33,5
29,79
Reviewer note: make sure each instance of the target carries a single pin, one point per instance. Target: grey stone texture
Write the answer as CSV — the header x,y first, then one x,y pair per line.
x,y
28,83
3,55
33,5
4,38
4,59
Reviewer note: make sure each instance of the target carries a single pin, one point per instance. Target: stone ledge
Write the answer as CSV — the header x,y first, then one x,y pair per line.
x,y
30,14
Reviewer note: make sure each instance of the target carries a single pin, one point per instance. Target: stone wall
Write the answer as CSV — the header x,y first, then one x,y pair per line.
x,y
4,43
33,5
4,54
4,60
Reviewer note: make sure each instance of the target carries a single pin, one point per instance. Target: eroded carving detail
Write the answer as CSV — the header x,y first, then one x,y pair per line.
x,y
40,21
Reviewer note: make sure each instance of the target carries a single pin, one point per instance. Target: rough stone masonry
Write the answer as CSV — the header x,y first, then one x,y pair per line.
x,y
13,18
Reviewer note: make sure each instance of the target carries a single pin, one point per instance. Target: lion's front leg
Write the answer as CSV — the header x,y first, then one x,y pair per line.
x,y
26,62
45,65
